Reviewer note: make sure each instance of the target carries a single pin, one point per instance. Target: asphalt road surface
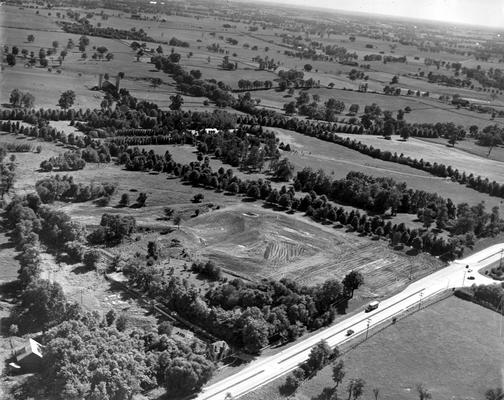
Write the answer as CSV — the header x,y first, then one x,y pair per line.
x,y
264,370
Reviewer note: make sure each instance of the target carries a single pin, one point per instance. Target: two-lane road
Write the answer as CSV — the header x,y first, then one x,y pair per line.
x,y
265,370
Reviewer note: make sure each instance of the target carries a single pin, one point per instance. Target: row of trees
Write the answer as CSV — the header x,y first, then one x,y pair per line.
x,y
190,84
86,29
50,134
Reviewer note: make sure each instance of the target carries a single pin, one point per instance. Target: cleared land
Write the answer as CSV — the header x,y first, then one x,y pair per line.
x,y
461,363
256,243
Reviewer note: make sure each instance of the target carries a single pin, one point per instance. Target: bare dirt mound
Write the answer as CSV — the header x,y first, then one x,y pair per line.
x,y
256,243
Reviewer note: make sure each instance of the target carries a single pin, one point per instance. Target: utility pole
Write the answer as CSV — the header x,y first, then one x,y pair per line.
x,y
367,328
420,302
500,310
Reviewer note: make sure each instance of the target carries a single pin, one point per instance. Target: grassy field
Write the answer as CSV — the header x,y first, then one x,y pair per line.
x,y
338,160
470,146
466,156
461,363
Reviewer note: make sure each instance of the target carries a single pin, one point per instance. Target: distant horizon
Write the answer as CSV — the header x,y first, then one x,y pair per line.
x,y
482,13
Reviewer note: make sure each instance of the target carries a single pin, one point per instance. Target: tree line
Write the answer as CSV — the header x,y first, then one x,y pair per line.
x,y
63,188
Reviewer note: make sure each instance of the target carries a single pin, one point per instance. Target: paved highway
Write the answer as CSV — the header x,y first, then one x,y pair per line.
x,y
267,369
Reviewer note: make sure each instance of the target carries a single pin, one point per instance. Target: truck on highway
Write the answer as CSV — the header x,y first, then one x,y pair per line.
x,y
372,306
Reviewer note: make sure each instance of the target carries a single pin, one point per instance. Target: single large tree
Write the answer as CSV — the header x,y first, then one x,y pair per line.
x,y
319,357
283,170
338,372
176,102
67,99
352,281
355,388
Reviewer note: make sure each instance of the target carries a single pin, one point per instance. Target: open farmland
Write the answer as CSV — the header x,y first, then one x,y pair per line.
x,y
440,153
434,346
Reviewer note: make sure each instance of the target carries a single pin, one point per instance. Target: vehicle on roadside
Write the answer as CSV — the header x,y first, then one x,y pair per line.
x,y
372,306
350,332
471,278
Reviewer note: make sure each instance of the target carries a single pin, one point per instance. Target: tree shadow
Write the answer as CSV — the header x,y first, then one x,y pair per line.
x,y
82,269
412,252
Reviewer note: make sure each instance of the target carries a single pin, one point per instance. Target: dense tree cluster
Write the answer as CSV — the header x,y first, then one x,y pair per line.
x,y
246,147
127,363
208,269
366,192
113,229
21,99
448,80
177,42
42,305
63,188
68,161
249,315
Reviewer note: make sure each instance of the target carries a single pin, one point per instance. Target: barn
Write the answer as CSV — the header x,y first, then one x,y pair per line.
x,y
29,357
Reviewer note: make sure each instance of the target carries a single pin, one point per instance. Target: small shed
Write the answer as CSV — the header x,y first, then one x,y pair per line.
x,y
218,350
29,357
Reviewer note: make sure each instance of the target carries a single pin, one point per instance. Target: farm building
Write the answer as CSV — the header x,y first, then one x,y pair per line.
x,y
29,357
